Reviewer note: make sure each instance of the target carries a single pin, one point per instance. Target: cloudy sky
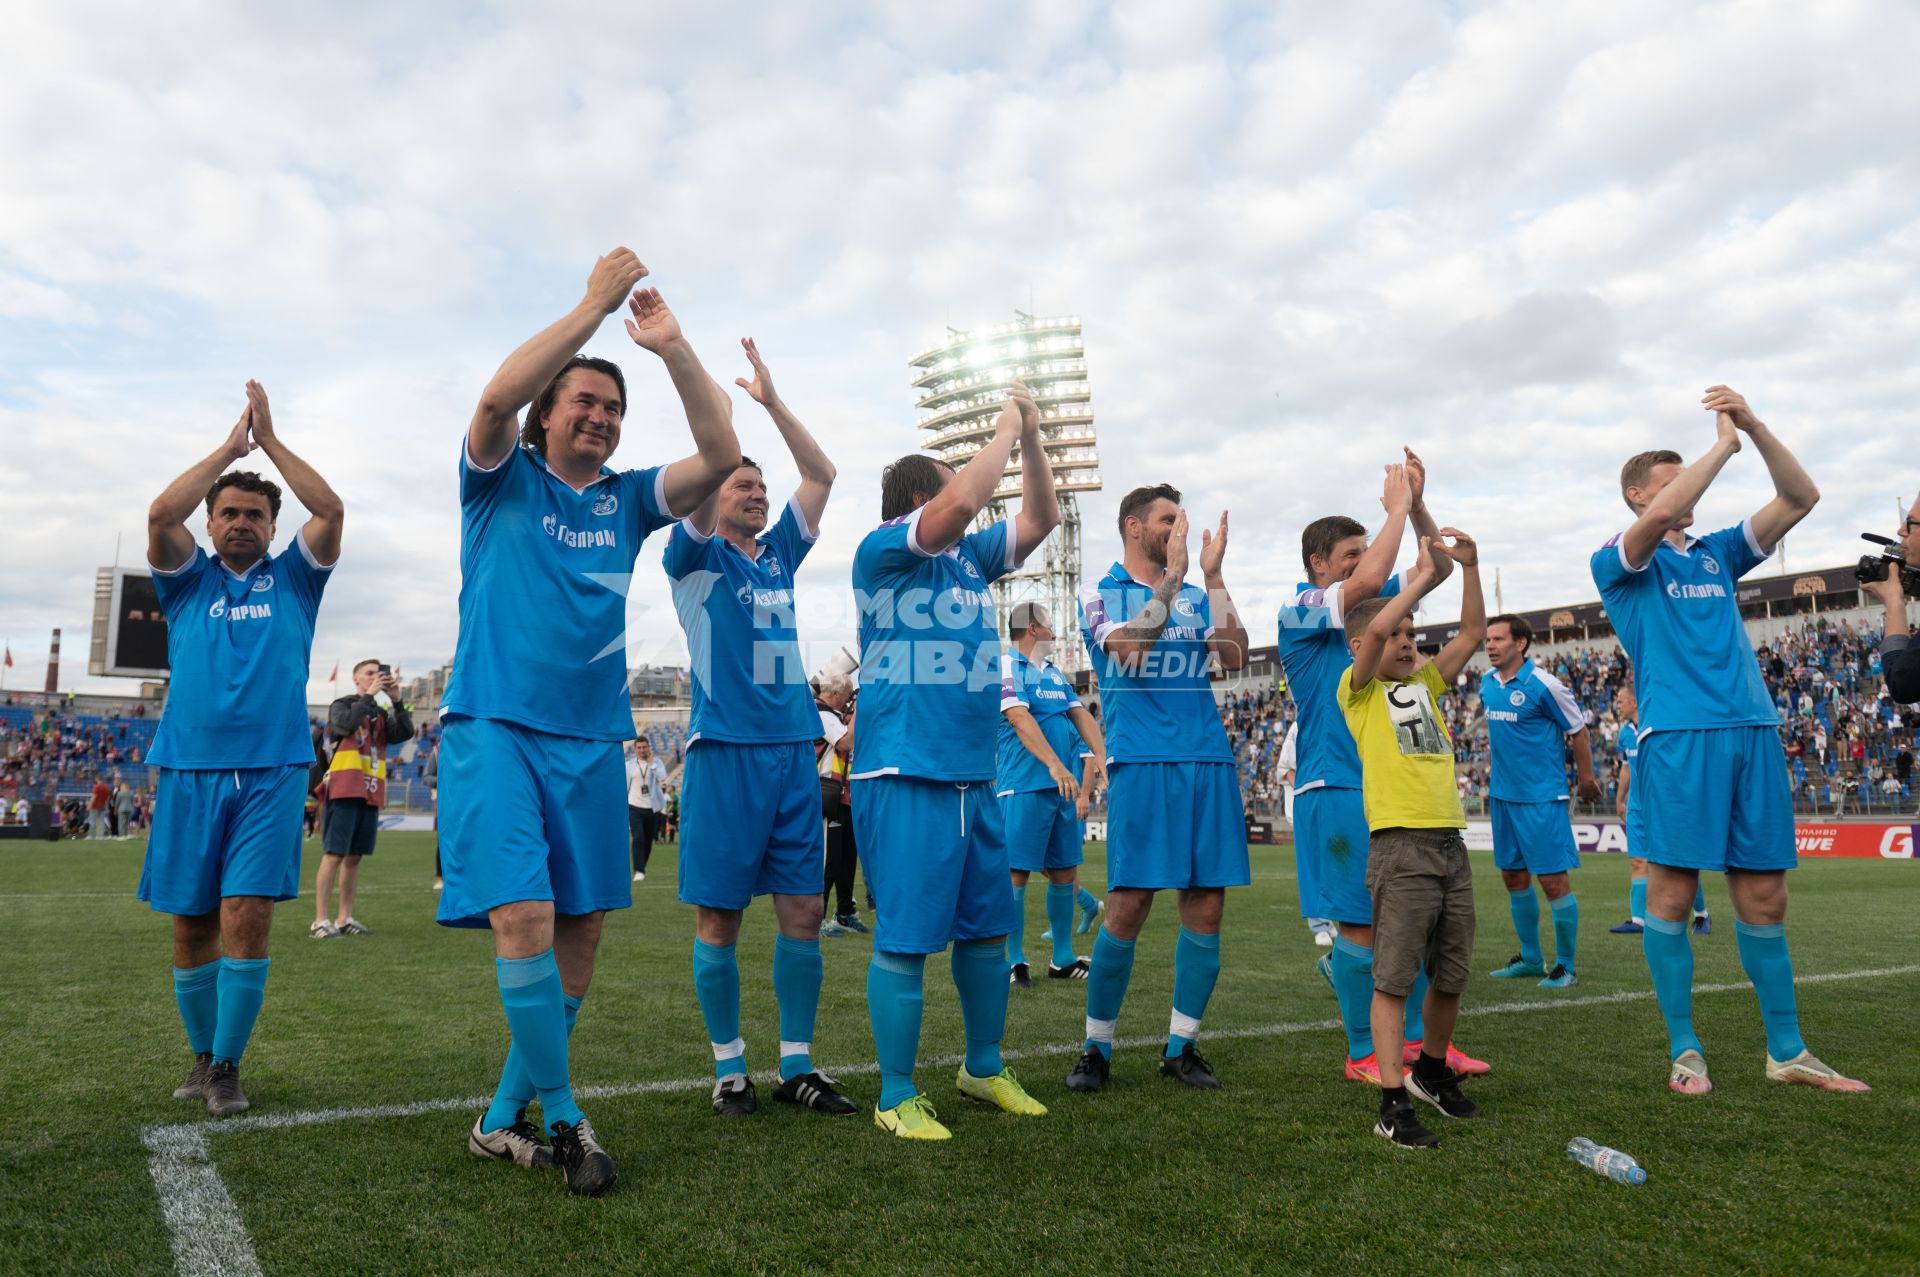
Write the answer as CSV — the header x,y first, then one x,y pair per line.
x,y
1521,237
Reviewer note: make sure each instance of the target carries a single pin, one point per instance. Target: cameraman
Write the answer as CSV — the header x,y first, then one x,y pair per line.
x,y
1899,659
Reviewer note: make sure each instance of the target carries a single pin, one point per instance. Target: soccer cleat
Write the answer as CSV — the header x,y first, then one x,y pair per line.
x,y
733,1096
1688,1074
1365,1070
1047,934
1075,970
1443,1093
1631,927
322,930
1808,1071
1089,1072
1518,967
520,1143
830,930
1324,965
1324,939
1191,1068
1019,976
851,922
816,1091
1088,916
1702,925
195,1086
1002,1090
913,1118
1561,977
354,927
1457,1060
1400,1124
576,1151
224,1096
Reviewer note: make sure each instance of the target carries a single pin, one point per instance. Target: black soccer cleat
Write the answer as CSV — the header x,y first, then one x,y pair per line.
x,y
1090,1071
1075,970
195,1086
816,1091
589,1171
1020,977
1190,1067
520,1143
1443,1093
1399,1124
733,1096
224,1096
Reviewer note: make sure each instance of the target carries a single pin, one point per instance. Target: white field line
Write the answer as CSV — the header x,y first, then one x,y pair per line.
x,y
210,1240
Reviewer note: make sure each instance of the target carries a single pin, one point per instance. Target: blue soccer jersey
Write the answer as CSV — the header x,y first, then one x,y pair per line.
x,y
543,594
1630,755
1314,654
1528,718
1158,708
1042,690
749,683
929,652
1676,615
238,648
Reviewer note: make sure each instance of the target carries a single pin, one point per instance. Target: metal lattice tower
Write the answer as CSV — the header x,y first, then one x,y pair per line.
x,y
962,383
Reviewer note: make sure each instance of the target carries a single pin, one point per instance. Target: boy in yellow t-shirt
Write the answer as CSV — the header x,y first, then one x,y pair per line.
x,y
1417,869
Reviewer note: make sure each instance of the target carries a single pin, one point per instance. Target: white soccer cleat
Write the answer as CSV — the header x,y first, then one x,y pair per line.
x,y
1688,1075
1806,1070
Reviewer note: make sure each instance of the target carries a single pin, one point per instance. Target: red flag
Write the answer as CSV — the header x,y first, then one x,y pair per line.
x,y
335,676
9,656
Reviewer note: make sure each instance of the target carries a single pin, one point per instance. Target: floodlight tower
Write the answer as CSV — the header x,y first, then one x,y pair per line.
x,y
962,383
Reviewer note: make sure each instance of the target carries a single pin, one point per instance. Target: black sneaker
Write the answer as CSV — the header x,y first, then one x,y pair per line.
x,y
1190,1067
1020,977
224,1096
816,1091
1075,970
520,1143
1443,1093
589,1171
733,1096
195,1087
1090,1071
1399,1123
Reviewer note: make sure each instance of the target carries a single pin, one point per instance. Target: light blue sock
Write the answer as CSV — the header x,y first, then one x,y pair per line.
x,y
1566,929
1700,898
1526,922
197,991
716,983
1060,920
1763,952
1670,962
980,975
1196,969
1107,977
1416,1014
243,987
516,1091
1017,938
1637,900
1353,986
1085,899
536,1015
894,1003
797,976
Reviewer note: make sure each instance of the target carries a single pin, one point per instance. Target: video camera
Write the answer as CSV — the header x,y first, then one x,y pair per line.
x,y
1874,567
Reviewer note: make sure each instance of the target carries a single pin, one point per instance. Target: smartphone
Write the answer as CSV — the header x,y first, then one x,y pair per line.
x,y
385,670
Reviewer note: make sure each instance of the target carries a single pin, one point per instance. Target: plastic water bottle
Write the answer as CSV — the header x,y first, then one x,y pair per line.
x,y
1611,1162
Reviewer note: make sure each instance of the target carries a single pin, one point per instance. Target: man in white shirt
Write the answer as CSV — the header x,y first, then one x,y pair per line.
x,y
646,799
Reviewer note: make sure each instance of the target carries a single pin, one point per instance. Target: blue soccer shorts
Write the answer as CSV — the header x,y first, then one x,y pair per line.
x,y
1043,830
935,857
1535,837
750,823
1331,825
1636,830
1715,798
1175,825
528,815
226,833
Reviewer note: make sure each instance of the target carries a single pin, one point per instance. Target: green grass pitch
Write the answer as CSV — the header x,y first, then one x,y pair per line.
x,y
1277,1171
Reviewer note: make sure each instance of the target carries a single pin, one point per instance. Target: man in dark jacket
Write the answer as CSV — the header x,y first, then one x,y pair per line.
x,y
360,727
1899,659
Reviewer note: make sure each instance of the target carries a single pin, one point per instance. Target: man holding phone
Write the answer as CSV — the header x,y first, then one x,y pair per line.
x,y
360,727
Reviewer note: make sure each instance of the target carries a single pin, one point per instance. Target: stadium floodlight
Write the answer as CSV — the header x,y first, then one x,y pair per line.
x,y
962,383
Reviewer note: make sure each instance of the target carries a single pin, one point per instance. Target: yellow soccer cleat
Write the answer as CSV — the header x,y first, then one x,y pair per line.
x,y
913,1118
1002,1090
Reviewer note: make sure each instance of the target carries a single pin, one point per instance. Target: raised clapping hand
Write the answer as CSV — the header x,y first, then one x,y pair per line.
x,y
1022,398
760,389
1424,572
1733,404
1213,548
613,278
1396,495
1416,476
259,416
240,439
1177,548
1463,550
653,326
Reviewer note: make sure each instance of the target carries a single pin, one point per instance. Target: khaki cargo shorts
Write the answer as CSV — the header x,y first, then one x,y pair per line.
x,y
1422,889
